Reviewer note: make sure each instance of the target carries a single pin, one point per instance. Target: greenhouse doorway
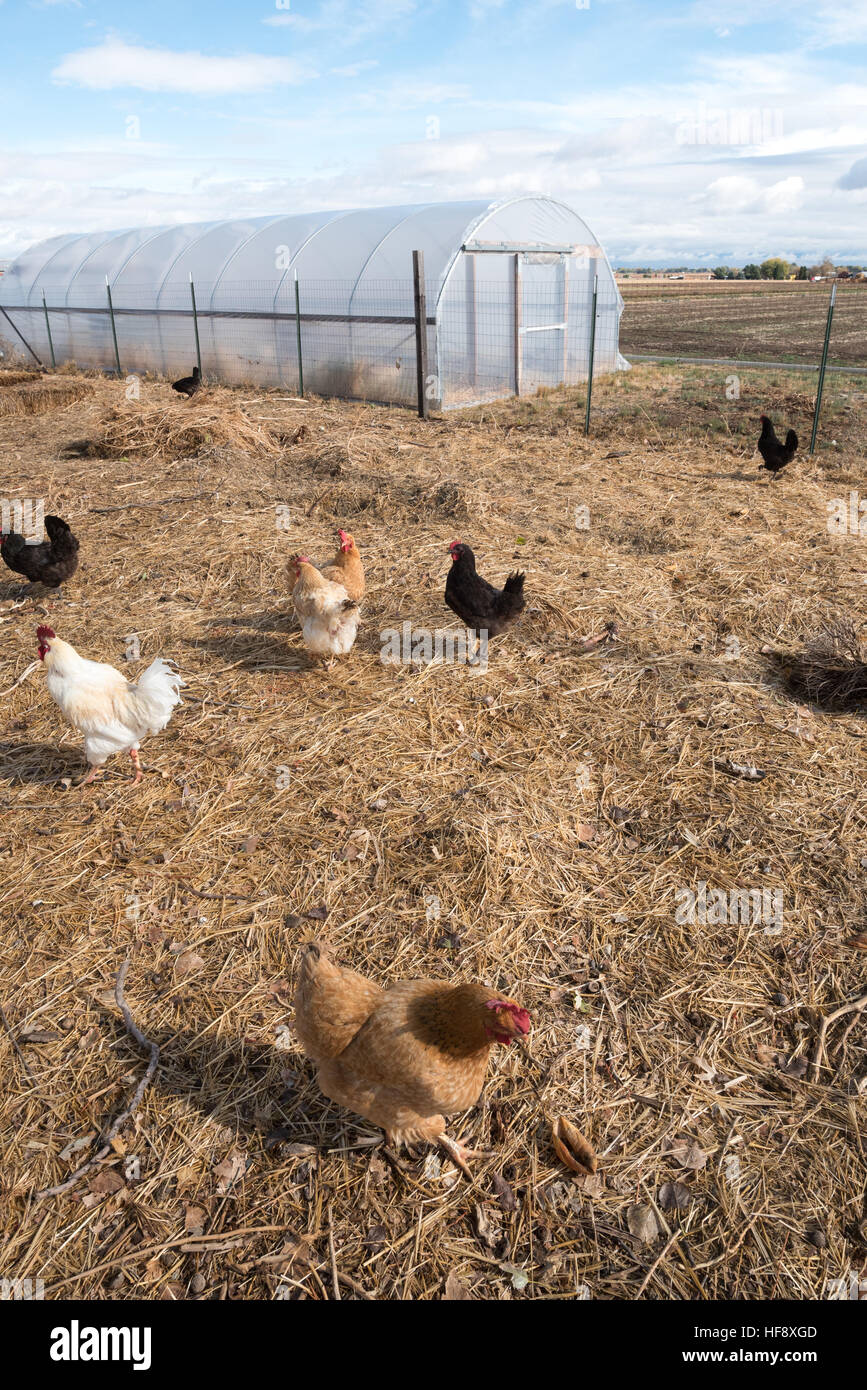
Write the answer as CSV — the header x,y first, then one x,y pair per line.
x,y
541,326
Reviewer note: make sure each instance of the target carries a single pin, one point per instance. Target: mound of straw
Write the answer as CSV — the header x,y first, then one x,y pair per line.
x,y
180,428
15,378
33,394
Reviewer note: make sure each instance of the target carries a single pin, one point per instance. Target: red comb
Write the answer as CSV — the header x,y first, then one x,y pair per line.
x,y
521,1017
43,632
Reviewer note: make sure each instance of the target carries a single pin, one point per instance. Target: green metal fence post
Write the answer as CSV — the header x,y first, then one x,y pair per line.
x,y
821,384
196,325
420,306
113,327
48,331
19,334
298,336
592,354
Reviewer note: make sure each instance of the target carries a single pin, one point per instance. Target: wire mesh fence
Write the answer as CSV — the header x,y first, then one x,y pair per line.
x,y
488,335
500,326
848,346
512,336
358,344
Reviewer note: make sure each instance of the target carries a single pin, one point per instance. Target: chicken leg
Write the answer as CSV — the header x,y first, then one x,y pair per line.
x,y
459,1153
136,762
432,1130
85,781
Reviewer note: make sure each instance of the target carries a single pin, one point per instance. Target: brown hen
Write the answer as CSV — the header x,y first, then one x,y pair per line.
x,y
403,1057
346,567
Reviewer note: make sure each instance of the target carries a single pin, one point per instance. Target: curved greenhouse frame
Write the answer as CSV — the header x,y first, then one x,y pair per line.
x,y
509,290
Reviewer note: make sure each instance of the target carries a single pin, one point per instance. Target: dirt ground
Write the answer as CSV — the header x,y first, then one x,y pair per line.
x,y
536,825
760,320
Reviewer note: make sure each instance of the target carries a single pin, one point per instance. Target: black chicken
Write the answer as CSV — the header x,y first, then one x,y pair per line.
x,y
477,603
50,562
188,385
775,454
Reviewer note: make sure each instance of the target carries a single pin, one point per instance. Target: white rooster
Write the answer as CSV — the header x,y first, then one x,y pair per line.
x,y
328,616
113,713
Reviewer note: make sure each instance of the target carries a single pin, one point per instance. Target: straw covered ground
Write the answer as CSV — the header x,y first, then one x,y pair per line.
x,y
538,825
31,393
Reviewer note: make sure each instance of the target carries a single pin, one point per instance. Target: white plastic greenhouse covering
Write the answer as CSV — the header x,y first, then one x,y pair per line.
x,y
509,290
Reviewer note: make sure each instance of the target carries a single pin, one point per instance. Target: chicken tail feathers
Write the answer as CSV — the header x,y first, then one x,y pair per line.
x,y
64,545
157,691
331,1004
791,442
511,600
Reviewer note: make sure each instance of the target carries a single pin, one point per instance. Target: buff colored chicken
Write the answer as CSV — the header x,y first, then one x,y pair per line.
x,y
328,616
346,567
403,1057
114,714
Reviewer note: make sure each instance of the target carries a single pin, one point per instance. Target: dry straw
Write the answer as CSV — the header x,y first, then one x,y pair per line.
x,y
530,825
30,393
212,419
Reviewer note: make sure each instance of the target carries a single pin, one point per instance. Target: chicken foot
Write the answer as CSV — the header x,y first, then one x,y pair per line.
x,y
460,1154
36,590
432,1131
136,762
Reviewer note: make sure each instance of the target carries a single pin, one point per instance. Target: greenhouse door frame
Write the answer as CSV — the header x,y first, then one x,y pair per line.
x,y
553,258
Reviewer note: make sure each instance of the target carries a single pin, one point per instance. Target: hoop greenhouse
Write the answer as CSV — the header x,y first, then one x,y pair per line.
x,y
509,291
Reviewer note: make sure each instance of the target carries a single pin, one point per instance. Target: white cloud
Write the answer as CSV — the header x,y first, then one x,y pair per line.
x,y
740,193
856,177
785,196
733,193
409,95
291,21
353,69
832,24
843,23
346,22
114,63
760,74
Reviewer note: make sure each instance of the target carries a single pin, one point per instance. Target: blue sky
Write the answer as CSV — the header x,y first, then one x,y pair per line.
x,y
718,130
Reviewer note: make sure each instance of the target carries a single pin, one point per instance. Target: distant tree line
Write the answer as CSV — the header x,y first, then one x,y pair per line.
x,y
775,268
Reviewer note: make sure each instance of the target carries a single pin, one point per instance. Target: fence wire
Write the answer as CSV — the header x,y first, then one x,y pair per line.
x,y
487,336
848,346
360,346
